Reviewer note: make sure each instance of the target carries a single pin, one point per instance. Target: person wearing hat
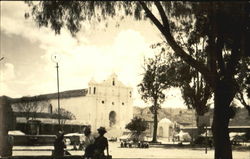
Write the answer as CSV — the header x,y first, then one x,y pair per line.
x,y
101,143
59,145
88,143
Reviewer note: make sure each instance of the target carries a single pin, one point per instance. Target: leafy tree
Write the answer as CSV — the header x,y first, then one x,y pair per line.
x,y
64,115
153,84
137,126
30,106
225,45
241,79
248,86
194,89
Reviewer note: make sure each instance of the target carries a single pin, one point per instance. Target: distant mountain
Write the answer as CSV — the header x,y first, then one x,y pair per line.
x,y
187,117
179,115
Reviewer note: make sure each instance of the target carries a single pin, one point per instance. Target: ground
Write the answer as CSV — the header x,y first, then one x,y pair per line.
x,y
152,152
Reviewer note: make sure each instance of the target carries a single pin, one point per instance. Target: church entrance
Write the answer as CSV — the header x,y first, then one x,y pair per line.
x,y
161,132
112,118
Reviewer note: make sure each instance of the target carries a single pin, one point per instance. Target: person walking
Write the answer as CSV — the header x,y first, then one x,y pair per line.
x,y
88,143
101,143
59,145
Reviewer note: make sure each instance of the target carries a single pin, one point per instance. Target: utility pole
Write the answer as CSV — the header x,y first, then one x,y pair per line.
x,y
55,58
58,95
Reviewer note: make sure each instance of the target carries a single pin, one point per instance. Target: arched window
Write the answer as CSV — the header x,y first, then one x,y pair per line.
x,y
89,90
94,90
112,118
113,83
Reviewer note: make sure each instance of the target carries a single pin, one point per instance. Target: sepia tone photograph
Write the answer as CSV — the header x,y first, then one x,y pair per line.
x,y
124,79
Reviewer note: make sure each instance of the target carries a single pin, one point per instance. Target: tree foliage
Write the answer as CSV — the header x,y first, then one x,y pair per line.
x,y
154,80
222,27
154,83
241,78
64,115
30,106
137,126
194,89
71,14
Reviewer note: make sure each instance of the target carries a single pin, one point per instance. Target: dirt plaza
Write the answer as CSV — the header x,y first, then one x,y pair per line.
x,y
152,152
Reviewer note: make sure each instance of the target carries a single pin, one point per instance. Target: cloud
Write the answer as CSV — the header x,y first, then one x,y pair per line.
x,y
7,75
120,51
7,72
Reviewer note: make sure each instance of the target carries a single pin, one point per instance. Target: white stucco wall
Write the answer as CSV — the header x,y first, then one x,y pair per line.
x,y
79,106
94,108
111,95
165,128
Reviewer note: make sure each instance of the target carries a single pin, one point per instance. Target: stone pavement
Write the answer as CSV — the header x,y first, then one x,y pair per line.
x,y
152,152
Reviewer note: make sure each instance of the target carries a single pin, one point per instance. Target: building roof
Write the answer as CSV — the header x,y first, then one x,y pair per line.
x,y
67,94
64,94
53,121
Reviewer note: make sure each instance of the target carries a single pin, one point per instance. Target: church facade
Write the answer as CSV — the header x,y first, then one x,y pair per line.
x,y
108,104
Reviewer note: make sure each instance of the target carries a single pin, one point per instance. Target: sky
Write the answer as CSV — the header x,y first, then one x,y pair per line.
x,y
27,68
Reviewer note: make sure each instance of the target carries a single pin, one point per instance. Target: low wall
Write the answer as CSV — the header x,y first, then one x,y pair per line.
x,y
44,157
49,157
32,140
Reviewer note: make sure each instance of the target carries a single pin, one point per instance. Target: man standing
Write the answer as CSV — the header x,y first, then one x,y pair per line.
x,y
88,143
101,143
59,145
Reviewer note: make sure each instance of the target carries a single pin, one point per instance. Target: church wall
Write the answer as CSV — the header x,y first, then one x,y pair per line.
x,y
112,95
82,107
95,107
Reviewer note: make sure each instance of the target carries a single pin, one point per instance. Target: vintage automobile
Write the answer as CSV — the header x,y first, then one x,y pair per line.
x,y
75,139
15,132
129,139
237,138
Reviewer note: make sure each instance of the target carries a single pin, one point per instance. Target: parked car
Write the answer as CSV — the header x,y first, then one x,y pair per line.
x,y
112,139
182,137
126,136
75,138
128,139
237,138
15,132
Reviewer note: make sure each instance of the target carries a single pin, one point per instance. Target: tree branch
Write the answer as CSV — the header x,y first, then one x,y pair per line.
x,y
240,97
150,15
177,49
162,14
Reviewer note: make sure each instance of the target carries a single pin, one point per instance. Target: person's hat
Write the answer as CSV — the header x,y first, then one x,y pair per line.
x,y
102,130
87,130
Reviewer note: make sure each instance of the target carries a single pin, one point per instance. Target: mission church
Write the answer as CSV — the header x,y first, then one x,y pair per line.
x,y
108,104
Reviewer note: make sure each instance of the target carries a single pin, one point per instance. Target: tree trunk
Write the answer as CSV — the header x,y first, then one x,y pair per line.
x,y
155,121
155,126
223,95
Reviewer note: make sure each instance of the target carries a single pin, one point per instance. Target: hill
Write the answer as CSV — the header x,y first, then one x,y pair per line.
x,y
187,117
